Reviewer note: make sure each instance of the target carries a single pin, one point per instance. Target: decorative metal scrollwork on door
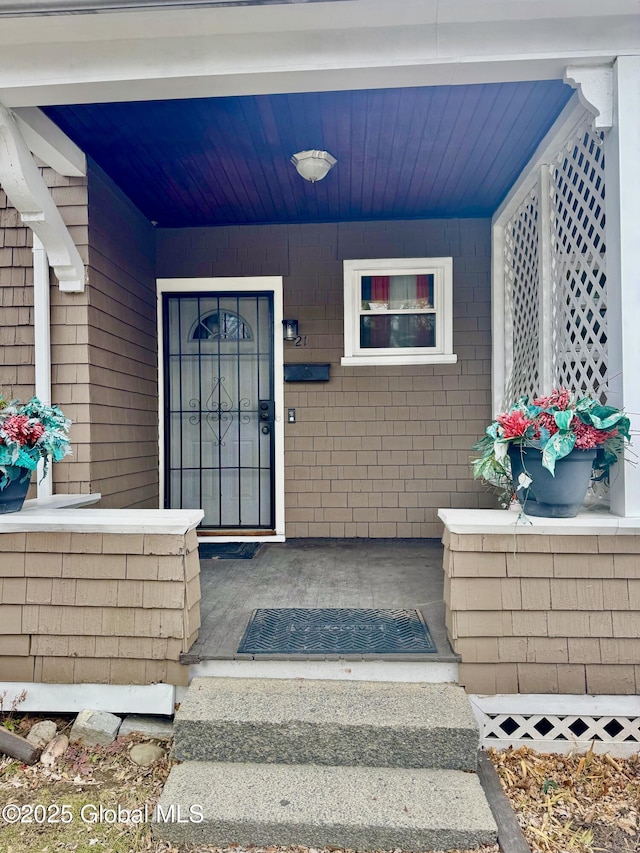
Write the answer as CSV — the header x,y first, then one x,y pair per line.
x,y
220,411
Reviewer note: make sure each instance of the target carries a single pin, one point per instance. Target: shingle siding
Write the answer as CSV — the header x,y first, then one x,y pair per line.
x,y
376,450
544,614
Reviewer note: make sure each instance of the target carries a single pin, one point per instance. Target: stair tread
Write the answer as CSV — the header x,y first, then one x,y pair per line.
x,y
299,721
351,703
356,807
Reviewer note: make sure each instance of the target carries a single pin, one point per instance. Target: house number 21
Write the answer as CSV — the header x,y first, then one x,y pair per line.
x,y
301,341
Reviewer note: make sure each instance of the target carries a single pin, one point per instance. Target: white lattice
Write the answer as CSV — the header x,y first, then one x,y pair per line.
x,y
561,733
521,264
553,276
578,276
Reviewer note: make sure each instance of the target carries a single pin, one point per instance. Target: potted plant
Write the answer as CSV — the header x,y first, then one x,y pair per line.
x,y
546,452
29,432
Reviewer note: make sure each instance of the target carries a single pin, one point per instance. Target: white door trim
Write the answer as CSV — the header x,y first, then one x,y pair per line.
x,y
266,284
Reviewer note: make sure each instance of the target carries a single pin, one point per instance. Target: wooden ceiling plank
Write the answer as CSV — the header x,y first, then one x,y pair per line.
x,y
544,105
402,153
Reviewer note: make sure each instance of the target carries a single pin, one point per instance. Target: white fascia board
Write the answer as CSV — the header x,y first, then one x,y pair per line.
x,y
526,10
369,43
540,37
43,93
49,143
292,17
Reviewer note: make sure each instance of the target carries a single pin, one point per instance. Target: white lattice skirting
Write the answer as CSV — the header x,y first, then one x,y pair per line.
x,y
562,724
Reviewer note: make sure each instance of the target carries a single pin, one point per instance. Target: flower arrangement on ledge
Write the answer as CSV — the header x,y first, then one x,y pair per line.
x,y
29,432
554,426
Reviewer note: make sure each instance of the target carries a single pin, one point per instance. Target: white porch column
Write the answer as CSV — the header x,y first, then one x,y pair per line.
x,y
42,345
622,165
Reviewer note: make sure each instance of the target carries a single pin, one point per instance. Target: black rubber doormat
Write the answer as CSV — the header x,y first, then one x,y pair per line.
x,y
228,550
293,630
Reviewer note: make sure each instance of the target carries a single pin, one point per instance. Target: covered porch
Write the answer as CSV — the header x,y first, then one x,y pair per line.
x,y
494,168
198,202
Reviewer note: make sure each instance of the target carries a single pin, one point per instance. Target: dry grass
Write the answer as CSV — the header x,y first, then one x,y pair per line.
x,y
577,803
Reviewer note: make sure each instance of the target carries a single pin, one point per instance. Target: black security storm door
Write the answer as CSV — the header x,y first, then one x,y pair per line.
x,y
219,408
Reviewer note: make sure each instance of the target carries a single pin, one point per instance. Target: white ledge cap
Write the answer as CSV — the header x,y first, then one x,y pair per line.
x,y
45,517
496,521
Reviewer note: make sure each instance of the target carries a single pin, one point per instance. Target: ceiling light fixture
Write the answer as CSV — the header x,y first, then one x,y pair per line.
x,y
313,165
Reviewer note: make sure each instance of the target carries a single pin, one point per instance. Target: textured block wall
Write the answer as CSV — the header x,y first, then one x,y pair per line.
x,y
376,450
531,613
97,608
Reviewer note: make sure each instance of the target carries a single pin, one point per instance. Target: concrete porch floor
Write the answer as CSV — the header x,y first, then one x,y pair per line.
x,y
362,573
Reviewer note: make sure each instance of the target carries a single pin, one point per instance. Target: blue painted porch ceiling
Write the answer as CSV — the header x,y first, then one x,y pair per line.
x,y
444,151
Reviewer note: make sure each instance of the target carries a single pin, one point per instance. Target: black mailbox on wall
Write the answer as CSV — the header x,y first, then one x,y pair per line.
x,y
306,373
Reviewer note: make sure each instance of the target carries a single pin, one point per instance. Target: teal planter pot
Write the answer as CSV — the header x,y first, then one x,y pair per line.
x,y
548,496
13,495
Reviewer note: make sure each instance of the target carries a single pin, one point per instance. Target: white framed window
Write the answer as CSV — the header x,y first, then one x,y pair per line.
x,y
398,311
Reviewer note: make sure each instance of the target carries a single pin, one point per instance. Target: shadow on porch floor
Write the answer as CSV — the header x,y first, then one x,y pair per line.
x,y
362,573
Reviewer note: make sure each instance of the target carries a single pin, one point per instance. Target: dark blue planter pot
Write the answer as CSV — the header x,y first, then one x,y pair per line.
x,y
548,496
12,497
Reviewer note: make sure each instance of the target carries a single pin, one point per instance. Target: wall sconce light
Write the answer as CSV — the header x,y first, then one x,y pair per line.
x,y
290,329
313,165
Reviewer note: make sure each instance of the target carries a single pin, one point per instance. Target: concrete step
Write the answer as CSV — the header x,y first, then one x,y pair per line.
x,y
360,808
359,723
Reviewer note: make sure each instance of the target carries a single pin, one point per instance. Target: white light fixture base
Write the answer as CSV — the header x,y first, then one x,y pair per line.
x,y
313,165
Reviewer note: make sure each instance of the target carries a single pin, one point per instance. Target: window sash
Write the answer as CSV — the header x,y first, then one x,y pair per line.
x,y
369,292
435,277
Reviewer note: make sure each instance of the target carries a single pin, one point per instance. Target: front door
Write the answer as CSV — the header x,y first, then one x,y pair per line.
x,y
219,407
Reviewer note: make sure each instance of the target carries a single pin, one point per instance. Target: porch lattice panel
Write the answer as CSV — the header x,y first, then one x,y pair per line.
x,y
562,733
555,292
521,260
578,275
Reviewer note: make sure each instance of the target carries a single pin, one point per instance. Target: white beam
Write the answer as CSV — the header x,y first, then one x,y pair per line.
x,y
18,90
304,47
49,143
501,357
545,317
622,208
42,347
26,190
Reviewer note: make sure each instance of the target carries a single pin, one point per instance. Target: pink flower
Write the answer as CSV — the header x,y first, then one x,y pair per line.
x,y
514,424
20,429
588,436
547,421
558,398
